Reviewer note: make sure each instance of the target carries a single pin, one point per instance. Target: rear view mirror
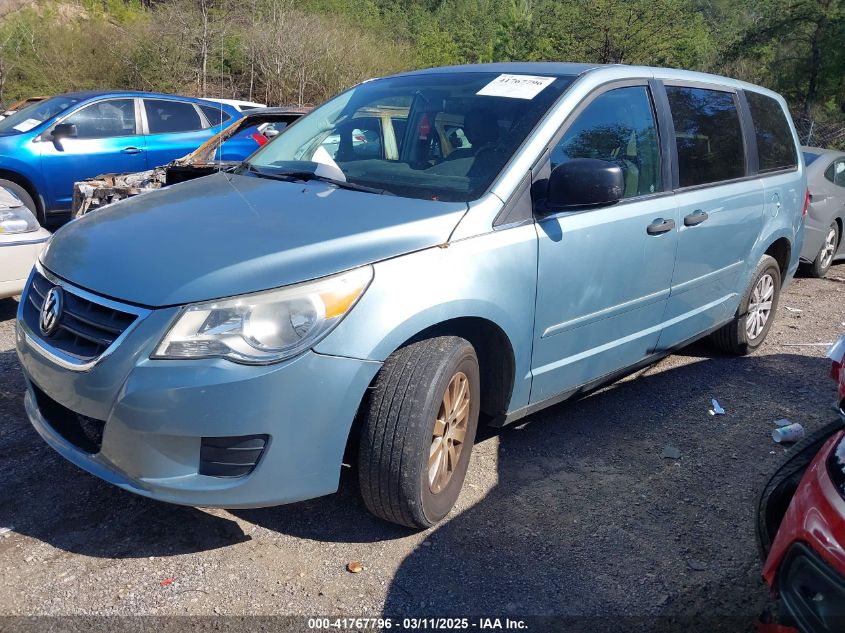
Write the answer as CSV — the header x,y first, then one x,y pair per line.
x,y
584,182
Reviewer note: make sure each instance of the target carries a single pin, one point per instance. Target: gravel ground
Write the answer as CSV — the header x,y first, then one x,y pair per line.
x,y
574,512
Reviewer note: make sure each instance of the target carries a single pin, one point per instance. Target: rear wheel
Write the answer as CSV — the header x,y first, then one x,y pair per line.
x,y
824,259
778,491
24,196
418,431
748,329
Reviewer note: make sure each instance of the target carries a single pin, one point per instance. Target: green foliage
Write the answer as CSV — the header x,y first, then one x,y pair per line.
x,y
303,51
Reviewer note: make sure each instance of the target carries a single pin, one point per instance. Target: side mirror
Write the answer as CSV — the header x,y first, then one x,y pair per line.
x,y
584,182
64,130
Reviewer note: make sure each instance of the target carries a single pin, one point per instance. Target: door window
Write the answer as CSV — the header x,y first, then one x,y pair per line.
x,y
618,126
708,135
104,119
165,117
775,146
836,173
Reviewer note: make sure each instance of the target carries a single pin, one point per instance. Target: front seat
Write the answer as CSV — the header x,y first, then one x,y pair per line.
x,y
481,128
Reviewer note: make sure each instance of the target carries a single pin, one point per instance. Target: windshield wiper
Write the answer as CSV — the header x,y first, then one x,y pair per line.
x,y
273,175
305,176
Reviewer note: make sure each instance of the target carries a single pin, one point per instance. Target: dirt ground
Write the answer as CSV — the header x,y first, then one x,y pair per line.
x,y
574,512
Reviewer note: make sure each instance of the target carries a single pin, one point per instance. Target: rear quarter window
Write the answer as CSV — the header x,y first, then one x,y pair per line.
x,y
215,116
775,146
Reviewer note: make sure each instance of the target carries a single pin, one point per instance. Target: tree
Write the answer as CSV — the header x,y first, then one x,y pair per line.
x,y
797,45
649,32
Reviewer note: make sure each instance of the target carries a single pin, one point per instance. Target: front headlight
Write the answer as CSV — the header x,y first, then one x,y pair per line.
x,y
14,217
264,327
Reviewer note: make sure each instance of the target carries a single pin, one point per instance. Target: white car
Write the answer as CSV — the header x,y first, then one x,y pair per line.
x,y
240,106
21,241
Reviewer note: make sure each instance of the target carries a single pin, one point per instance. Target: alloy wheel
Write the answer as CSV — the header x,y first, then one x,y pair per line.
x,y
450,429
760,306
829,248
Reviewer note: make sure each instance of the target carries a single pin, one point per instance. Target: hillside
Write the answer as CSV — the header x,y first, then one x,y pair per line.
x,y
281,51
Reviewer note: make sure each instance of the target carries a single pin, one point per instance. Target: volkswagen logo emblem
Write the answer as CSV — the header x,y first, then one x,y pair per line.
x,y
51,311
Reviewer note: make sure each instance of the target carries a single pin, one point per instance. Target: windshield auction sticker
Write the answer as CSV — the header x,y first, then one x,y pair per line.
x,y
515,86
26,126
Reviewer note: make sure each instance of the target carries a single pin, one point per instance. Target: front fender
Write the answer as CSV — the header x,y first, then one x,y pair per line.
x,y
492,277
26,165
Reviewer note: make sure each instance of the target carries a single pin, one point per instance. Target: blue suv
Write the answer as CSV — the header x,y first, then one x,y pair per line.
x,y
418,254
48,146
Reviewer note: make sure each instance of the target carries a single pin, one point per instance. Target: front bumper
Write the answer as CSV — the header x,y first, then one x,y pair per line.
x,y
154,415
812,593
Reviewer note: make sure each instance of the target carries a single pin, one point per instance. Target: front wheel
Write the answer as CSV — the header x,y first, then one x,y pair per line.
x,y
748,329
824,259
418,431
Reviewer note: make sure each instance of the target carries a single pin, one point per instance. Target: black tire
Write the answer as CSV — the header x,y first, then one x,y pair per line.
x,y
733,337
24,196
398,430
817,269
779,489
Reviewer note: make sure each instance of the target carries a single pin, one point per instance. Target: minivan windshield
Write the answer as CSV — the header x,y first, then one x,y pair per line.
x,y
35,114
438,136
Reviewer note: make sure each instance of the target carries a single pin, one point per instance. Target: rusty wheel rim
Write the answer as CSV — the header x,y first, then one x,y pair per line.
x,y
450,430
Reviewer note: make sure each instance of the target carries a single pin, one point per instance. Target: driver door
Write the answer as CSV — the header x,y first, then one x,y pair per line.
x,y
107,141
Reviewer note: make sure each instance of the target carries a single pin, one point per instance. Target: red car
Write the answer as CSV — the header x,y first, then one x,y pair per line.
x,y
801,528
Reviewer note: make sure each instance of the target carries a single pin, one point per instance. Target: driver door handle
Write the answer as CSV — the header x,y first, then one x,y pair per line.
x,y
696,217
131,150
660,226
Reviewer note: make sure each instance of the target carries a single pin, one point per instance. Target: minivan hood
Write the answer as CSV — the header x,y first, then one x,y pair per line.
x,y
226,234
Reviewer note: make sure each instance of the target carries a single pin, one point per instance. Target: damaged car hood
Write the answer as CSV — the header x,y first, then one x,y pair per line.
x,y
228,234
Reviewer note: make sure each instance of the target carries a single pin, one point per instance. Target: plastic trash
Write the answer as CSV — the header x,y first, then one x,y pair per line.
x,y
717,408
783,422
788,309
791,433
6,530
837,350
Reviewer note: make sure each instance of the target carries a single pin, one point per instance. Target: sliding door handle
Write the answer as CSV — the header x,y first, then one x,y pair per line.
x,y
660,226
696,217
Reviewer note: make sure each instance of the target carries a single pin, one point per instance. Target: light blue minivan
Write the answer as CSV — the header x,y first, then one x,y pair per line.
x,y
422,252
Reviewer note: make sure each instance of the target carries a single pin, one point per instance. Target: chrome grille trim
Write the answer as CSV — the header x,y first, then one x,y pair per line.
x,y
55,355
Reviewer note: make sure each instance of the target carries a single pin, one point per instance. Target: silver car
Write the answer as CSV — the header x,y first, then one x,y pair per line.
x,y
826,212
